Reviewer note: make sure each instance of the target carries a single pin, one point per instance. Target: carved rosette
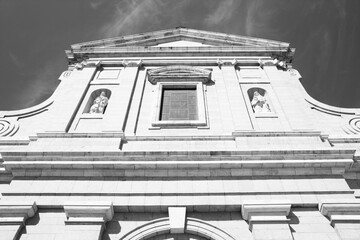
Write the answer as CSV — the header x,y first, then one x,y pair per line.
x,y
8,127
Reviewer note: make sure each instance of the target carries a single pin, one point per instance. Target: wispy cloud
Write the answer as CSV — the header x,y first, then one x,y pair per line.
x,y
95,4
134,16
15,60
130,16
42,85
223,12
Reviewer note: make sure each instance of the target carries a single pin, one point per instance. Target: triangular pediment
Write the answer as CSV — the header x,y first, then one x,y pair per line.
x,y
180,37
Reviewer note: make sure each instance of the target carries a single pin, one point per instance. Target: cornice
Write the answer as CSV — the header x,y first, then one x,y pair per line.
x,y
283,54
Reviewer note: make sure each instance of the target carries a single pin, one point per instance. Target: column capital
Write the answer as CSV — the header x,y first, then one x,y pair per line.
x,y
79,212
340,207
273,62
341,210
132,63
226,62
16,212
266,212
265,208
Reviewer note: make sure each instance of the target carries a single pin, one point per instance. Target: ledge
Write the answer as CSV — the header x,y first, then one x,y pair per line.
x,y
89,211
340,207
268,208
16,212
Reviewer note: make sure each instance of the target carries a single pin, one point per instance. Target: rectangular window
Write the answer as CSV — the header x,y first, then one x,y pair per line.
x,y
179,103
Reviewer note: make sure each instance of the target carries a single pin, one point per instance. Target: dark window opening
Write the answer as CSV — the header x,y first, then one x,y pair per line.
x,y
178,103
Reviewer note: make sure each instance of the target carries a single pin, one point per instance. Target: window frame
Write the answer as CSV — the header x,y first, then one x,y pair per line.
x,y
201,107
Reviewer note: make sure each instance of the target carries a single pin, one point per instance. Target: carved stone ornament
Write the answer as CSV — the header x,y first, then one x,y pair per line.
x,y
8,127
179,73
99,104
353,125
273,62
84,63
132,63
259,103
221,62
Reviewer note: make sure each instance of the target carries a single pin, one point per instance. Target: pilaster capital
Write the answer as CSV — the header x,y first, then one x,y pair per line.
x,y
137,63
272,62
16,212
84,63
265,208
79,212
265,212
340,207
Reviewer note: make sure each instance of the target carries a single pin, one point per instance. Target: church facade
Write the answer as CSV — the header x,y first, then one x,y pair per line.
x,y
180,134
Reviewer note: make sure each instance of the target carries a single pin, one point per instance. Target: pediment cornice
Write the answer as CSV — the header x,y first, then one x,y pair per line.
x,y
152,39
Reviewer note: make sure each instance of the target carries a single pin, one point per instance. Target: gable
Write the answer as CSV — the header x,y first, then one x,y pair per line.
x,y
180,37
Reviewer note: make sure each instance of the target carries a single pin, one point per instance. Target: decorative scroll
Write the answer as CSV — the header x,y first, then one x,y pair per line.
x,y
354,124
8,127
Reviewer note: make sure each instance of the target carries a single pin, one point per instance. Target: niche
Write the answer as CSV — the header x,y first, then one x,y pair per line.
x,y
98,101
259,100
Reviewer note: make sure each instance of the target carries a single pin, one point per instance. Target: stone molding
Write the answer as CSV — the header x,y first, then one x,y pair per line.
x,y
88,212
177,218
274,62
221,63
178,73
262,208
162,226
341,211
270,212
130,63
16,212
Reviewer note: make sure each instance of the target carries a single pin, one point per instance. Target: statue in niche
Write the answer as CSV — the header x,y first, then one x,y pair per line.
x,y
99,103
259,103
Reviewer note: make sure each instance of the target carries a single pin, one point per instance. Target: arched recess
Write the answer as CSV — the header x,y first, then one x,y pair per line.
x,y
193,227
93,96
262,104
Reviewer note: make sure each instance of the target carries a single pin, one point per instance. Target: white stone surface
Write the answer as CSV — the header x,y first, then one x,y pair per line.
x,y
177,216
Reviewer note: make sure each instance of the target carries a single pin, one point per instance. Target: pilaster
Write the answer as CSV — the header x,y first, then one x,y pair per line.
x,y
235,99
268,220
67,98
344,216
86,220
123,97
13,216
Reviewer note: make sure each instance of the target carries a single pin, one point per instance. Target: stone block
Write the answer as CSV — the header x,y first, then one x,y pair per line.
x,y
177,216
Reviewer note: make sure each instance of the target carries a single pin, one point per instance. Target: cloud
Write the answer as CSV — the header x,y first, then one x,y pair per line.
x,y
130,16
95,4
135,16
223,12
15,60
42,85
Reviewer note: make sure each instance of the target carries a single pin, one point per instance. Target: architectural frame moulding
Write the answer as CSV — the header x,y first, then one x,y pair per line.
x,y
179,73
147,43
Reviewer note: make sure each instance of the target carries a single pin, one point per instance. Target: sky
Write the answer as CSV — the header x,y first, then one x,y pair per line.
x,y
34,35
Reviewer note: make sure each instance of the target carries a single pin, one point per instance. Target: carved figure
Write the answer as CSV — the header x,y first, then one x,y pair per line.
x,y
259,103
99,103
